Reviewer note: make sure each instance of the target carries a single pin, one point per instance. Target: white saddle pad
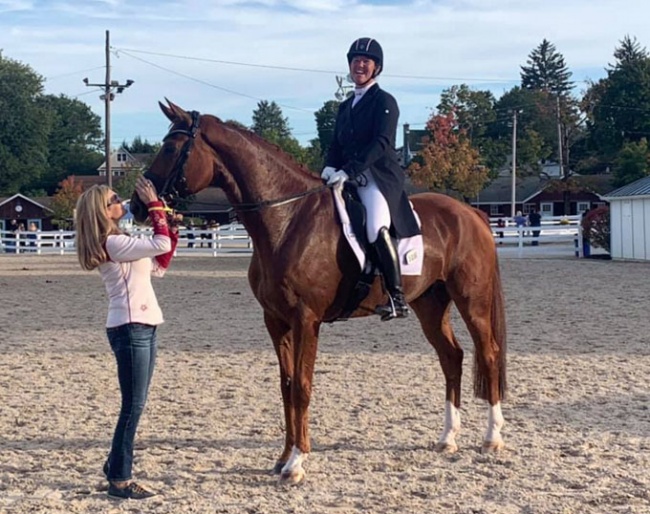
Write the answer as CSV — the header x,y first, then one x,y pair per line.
x,y
410,249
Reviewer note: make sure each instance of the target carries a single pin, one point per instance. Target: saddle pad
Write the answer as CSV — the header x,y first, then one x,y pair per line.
x,y
410,249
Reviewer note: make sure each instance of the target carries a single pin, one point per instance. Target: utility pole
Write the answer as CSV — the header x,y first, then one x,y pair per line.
x,y
513,199
109,86
559,137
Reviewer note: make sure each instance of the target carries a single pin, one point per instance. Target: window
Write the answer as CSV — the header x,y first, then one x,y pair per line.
x,y
494,210
582,207
546,208
528,207
121,157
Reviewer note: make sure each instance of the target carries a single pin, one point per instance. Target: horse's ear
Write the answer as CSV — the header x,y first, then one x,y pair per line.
x,y
167,111
178,113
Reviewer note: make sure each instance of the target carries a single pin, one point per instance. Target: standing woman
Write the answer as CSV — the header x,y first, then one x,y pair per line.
x,y
363,151
126,265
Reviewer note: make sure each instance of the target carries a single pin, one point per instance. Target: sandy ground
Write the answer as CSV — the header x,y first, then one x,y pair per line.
x,y
577,420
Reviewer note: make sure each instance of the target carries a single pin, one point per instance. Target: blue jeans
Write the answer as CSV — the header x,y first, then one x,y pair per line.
x,y
134,346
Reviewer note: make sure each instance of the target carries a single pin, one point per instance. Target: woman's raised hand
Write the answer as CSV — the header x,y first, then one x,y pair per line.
x,y
146,190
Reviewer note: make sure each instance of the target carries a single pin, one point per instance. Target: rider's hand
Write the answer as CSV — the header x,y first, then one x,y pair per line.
x,y
146,190
327,173
337,176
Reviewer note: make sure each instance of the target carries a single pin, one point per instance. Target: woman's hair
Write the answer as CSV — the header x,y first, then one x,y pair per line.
x,y
93,226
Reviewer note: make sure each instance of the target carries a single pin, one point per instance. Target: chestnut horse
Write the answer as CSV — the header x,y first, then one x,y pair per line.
x,y
302,270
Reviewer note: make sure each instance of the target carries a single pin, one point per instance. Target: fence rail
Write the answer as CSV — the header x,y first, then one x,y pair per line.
x,y
233,238
213,241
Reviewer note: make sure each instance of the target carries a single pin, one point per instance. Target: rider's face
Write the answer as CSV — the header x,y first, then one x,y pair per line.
x,y
362,69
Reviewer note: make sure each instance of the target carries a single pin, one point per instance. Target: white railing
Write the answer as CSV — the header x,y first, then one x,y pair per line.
x,y
231,238
558,230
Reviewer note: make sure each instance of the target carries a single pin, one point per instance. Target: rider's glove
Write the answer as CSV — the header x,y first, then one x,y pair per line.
x,y
337,176
327,173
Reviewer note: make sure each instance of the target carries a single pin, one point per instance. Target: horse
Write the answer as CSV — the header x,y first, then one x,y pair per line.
x,y
302,270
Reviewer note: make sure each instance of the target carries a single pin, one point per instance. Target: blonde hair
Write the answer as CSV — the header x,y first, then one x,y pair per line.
x,y
93,226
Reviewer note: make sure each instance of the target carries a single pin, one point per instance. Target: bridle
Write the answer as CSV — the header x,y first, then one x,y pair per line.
x,y
175,185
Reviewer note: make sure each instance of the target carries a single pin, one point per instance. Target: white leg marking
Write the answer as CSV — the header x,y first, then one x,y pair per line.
x,y
493,440
447,441
292,470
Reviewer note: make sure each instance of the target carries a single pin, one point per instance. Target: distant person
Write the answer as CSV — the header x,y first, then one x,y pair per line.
x,y
32,236
520,219
535,220
501,223
12,232
126,265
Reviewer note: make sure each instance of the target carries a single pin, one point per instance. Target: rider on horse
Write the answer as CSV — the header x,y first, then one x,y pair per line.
x,y
363,152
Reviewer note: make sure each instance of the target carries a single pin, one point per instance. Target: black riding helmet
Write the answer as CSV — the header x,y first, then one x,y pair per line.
x,y
370,48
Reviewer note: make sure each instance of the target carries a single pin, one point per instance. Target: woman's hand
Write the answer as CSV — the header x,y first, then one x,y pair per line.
x,y
146,190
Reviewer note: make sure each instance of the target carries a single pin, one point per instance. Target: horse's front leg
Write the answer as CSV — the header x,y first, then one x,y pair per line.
x,y
283,343
305,334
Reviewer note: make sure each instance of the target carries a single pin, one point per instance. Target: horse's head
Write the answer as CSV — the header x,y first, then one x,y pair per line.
x,y
182,165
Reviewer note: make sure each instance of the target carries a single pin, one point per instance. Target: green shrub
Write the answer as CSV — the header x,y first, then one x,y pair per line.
x,y
596,228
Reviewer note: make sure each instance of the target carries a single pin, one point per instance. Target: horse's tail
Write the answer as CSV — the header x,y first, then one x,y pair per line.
x,y
498,326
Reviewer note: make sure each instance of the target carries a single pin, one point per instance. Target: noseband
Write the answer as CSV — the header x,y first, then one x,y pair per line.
x,y
175,185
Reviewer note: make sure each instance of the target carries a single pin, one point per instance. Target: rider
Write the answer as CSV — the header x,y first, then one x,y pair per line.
x,y
363,151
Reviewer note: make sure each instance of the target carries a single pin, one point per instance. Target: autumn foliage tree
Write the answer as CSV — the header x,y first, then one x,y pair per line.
x,y
64,202
448,163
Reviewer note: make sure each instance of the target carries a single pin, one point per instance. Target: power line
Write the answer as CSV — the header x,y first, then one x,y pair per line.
x,y
205,83
73,73
312,70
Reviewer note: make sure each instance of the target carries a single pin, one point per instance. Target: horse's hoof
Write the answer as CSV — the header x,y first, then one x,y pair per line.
x,y
448,448
292,477
492,446
277,469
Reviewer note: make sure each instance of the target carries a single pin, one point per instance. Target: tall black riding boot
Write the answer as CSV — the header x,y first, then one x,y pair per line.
x,y
388,262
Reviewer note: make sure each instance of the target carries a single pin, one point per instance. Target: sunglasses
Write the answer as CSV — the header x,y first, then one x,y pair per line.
x,y
114,200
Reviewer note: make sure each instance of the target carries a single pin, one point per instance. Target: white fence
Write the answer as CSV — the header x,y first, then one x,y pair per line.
x,y
564,233
557,231
225,239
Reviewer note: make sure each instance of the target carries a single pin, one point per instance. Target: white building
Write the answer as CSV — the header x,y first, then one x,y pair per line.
x,y
630,220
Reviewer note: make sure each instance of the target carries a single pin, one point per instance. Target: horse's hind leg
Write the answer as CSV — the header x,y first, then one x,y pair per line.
x,y
284,348
482,310
433,310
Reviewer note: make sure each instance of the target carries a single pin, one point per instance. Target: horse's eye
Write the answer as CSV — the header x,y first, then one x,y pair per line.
x,y
169,149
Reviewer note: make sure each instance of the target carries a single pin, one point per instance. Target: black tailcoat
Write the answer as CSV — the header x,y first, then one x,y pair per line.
x,y
364,138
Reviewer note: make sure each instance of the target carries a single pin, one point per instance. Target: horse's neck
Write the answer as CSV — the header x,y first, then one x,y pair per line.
x,y
258,174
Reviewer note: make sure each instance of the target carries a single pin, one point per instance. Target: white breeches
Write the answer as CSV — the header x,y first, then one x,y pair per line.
x,y
377,212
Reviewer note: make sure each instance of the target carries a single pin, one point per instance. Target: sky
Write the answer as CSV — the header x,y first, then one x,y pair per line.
x,y
224,56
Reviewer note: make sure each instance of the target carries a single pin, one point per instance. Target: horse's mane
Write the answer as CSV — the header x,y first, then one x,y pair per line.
x,y
257,140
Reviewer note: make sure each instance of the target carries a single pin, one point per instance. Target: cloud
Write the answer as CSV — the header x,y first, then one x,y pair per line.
x,y
480,42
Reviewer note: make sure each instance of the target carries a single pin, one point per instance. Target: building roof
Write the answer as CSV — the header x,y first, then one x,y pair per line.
x,y
639,187
500,190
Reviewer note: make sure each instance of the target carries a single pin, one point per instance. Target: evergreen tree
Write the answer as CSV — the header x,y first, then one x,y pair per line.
x,y
269,123
632,163
546,71
618,107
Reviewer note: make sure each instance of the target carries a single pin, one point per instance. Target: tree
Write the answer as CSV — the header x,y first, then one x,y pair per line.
x,y
269,123
325,122
447,162
618,107
140,146
536,127
632,163
74,141
475,112
546,71
64,202
24,126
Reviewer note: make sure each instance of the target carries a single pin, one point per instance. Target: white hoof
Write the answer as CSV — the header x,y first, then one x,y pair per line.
x,y
447,448
492,446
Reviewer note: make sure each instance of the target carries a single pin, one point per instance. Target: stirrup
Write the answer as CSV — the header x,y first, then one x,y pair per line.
x,y
393,309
